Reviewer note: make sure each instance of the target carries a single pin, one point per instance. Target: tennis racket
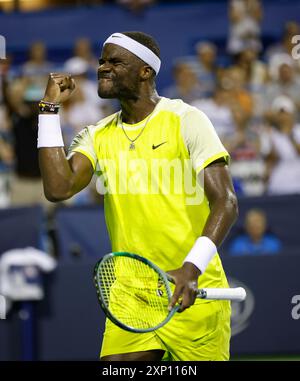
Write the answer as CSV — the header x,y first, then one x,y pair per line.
x,y
134,293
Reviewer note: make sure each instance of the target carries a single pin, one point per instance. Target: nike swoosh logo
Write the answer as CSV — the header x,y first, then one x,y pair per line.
x,y
154,147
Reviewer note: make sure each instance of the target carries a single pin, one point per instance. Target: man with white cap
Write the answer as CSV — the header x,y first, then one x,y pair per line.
x,y
281,146
175,229
285,80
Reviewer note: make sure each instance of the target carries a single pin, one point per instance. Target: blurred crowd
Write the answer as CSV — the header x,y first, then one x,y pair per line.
x,y
134,6
252,100
250,93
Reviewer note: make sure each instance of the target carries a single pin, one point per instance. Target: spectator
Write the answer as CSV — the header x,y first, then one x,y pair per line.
x,y
220,114
247,165
285,45
83,50
285,80
281,144
26,185
205,66
245,18
37,68
256,75
136,6
256,240
79,68
186,85
6,149
239,98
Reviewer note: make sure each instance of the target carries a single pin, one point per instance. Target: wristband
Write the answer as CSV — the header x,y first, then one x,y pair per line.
x,y
49,133
201,253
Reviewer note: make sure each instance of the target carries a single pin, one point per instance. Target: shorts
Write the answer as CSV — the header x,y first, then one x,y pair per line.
x,y
200,333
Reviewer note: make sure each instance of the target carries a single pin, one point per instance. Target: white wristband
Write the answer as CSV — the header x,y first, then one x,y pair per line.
x,y
49,133
201,253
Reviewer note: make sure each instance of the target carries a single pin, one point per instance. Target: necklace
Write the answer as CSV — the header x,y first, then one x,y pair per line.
x,y
132,144
132,141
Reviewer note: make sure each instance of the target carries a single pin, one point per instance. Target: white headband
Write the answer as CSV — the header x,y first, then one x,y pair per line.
x,y
136,48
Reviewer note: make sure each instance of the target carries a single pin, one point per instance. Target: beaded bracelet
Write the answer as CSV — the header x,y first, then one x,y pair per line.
x,y
49,107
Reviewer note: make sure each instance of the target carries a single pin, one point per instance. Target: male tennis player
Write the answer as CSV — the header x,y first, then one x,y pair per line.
x,y
174,228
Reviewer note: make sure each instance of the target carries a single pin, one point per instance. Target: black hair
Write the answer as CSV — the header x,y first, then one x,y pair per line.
x,y
146,40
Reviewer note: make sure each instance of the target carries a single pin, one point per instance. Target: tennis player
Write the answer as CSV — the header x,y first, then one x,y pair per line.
x,y
176,227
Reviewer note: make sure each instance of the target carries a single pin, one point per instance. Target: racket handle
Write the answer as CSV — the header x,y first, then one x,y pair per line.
x,y
237,294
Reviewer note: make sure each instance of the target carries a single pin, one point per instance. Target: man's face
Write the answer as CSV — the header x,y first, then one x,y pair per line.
x,y
118,73
286,73
256,224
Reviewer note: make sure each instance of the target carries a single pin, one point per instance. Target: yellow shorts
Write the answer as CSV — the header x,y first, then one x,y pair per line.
x,y
200,333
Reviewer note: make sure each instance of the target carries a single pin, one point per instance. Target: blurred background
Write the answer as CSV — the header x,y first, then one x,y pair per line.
x,y
236,60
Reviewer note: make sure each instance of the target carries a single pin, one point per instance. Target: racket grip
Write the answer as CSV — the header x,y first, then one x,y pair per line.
x,y
236,294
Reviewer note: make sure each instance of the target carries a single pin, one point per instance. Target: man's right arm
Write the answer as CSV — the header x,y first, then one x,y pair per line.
x,y
62,177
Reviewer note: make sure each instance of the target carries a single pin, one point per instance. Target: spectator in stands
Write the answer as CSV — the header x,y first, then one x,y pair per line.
x,y
186,86
241,140
37,68
282,148
79,68
220,114
256,240
4,121
77,112
239,98
285,80
256,75
245,18
247,165
136,6
6,148
205,66
83,50
26,185
285,45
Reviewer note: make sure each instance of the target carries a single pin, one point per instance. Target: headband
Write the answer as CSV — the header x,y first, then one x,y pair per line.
x,y
135,48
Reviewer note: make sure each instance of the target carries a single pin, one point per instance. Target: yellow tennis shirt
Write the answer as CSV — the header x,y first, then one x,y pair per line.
x,y
154,206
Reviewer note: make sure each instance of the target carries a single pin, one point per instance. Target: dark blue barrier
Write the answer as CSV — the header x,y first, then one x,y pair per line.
x,y
71,323
264,321
82,233
20,227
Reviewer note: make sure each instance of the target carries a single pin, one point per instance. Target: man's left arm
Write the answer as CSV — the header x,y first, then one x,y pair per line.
x,y
223,213
222,200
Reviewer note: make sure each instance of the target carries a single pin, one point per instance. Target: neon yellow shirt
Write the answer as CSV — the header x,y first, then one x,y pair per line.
x,y
153,205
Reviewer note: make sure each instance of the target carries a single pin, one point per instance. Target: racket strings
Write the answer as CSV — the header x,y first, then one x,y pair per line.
x,y
133,292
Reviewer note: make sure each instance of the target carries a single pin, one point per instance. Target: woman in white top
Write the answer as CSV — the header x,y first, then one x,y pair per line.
x,y
282,145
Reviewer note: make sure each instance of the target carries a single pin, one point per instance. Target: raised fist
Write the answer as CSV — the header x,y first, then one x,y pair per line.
x,y
60,87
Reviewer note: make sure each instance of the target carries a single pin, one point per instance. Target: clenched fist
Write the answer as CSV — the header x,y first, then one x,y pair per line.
x,y
60,87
